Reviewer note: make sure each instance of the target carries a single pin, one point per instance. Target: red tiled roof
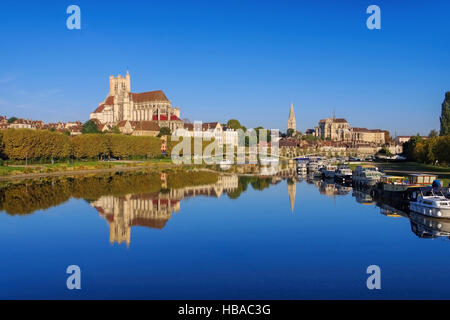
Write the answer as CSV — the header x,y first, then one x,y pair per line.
x,y
163,117
157,95
100,108
145,126
109,101
173,117
367,130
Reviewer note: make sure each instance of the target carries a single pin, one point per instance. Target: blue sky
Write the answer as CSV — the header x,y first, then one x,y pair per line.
x,y
218,60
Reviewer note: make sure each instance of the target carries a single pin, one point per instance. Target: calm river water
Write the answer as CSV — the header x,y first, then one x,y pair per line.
x,y
161,236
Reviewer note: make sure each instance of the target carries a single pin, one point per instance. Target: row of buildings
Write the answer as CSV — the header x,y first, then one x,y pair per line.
x,y
73,128
145,113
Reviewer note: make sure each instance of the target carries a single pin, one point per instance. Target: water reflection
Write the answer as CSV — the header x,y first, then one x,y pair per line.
x,y
149,199
154,209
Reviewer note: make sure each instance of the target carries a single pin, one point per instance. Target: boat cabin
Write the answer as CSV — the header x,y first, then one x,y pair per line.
x,y
393,179
421,179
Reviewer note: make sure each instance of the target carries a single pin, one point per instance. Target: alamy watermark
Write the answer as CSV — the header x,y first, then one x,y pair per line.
x,y
374,280
374,20
74,280
216,146
74,20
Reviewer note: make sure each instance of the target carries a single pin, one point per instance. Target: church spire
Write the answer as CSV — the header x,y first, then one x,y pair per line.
x,y
292,190
291,121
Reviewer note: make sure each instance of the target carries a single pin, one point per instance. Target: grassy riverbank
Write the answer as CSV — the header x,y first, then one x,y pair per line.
x,y
76,166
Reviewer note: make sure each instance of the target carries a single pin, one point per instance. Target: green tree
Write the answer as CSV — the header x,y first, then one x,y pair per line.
x,y
290,132
12,120
115,129
89,127
433,133
445,115
164,131
234,124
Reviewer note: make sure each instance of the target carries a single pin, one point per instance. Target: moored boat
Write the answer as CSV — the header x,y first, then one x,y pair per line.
x,y
430,202
366,175
343,173
329,171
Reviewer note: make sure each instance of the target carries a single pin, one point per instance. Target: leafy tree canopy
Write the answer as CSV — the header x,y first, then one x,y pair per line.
x,y
12,120
445,115
89,127
234,124
164,131
433,133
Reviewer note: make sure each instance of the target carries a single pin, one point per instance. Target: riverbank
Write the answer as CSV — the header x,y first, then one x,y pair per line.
x,y
14,172
405,168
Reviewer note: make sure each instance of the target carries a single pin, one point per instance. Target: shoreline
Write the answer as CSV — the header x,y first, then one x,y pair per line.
x,y
83,172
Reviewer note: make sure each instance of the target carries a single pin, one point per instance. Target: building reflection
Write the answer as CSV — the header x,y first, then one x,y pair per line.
x,y
153,210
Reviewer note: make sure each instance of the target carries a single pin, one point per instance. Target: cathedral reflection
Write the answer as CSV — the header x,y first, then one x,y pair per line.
x,y
153,210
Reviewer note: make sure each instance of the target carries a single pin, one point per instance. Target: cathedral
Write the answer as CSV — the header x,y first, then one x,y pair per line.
x,y
123,105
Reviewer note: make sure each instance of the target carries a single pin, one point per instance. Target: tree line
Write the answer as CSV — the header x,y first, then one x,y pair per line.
x,y
431,150
21,144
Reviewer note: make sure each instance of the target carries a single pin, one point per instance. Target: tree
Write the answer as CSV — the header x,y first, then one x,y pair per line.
x,y
445,115
115,129
387,137
12,120
433,133
89,127
234,124
290,132
164,131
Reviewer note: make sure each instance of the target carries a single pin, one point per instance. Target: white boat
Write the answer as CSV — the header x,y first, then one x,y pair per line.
x,y
366,175
329,171
430,202
343,173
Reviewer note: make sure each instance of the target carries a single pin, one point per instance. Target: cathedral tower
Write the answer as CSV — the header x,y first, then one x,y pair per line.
x,y
119,84
291,120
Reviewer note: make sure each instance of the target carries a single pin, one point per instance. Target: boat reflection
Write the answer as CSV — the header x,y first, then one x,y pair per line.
x,y
427,227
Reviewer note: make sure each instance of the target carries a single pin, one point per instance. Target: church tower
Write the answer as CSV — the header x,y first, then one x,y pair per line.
x,y
119,85
291,121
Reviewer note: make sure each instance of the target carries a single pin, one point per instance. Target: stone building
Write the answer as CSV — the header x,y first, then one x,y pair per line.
x,y
335,129
139,128
123,105
376,136
338,129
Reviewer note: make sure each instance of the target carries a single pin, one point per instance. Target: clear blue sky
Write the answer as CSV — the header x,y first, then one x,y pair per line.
x,y
232,59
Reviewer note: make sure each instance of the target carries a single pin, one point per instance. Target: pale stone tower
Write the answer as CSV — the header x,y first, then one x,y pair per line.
x,y
119,85
291,121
